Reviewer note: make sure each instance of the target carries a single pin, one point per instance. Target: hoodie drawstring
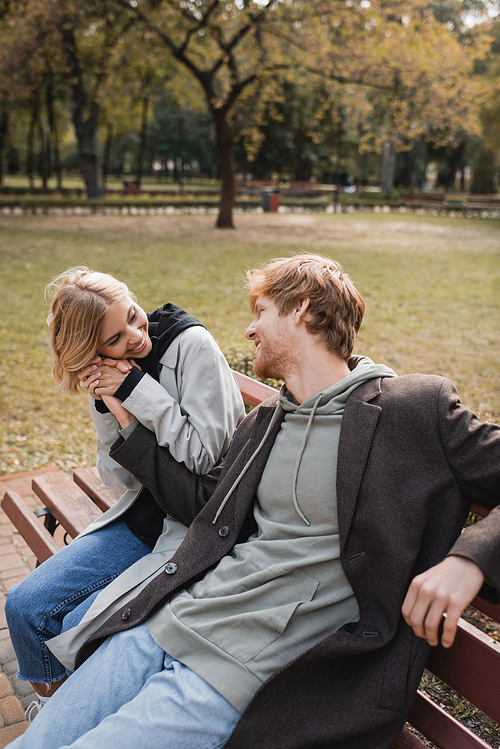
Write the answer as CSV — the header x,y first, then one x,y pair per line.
x,y
247,465
299,460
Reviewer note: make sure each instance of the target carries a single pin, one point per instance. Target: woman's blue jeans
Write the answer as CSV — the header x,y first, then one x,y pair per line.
x,y
56,595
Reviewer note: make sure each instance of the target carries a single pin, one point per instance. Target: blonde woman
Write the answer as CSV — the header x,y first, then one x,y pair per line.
x,y
170,374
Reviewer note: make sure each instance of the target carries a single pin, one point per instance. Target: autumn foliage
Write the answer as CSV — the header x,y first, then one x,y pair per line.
x,y
392,67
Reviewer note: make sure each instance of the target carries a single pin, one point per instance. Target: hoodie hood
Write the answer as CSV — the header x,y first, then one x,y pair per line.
x,y
333,399
329,402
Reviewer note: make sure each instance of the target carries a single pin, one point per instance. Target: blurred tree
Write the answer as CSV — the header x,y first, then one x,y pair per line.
x,y
390,70
483,179
435,93
21,82
240,52
4,113
487,156
287,146
226,46
4,130
140,77
137,71
304,135
181,132
453,152
6,97
413,79
64,43
88,31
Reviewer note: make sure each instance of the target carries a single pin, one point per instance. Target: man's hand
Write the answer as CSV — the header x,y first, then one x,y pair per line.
x,y
104,376
115,406
442,591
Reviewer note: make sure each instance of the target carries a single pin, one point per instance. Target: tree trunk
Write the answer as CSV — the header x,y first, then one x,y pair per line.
x,y
456,163
483,176
107,151
53,132
388,166
43,156
4,129
31,138
142,141
419,164
86,132
57,157
85,116
226,158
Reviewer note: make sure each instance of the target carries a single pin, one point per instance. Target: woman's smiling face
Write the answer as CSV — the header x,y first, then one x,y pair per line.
x,y
124,334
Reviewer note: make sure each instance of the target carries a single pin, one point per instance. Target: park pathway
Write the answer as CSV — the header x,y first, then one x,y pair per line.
x,y
16,561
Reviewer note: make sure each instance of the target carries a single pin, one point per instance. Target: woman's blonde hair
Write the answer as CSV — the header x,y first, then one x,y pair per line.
x,y
80,299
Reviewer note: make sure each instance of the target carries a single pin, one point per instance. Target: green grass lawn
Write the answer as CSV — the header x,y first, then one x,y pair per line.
x,y
431,286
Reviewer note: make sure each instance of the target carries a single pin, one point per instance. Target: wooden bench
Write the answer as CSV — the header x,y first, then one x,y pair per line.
x,y
471,667
483,201
424,198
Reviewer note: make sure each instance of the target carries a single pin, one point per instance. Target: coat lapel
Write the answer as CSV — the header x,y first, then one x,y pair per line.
x,y
358,427
253,475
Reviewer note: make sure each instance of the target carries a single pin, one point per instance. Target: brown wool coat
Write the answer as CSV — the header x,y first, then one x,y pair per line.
x,y
411,460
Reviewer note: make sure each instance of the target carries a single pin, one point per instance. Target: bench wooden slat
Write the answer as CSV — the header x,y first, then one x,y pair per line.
x,y
480,509
89,480
66,501
440,727
31,529
471,667
253,391
407,740
490,609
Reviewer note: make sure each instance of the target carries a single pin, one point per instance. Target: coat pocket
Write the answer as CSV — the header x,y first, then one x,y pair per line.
x,y
404,662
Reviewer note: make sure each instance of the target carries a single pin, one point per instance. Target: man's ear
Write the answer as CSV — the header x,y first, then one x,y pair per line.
x,y
301,312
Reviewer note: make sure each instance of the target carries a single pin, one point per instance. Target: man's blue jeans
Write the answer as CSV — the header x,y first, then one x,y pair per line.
x,y
131,694
56,595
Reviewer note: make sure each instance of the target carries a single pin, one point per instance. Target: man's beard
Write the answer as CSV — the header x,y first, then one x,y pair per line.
x,y
274,365
266,369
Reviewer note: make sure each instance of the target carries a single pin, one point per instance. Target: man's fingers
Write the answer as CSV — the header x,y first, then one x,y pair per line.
x,y
421,614
431,605
432,622
454,610
409,602
449,630
442,591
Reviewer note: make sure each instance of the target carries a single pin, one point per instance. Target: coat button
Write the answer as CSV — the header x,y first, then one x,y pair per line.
x,y
171,568
126,614
224,531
